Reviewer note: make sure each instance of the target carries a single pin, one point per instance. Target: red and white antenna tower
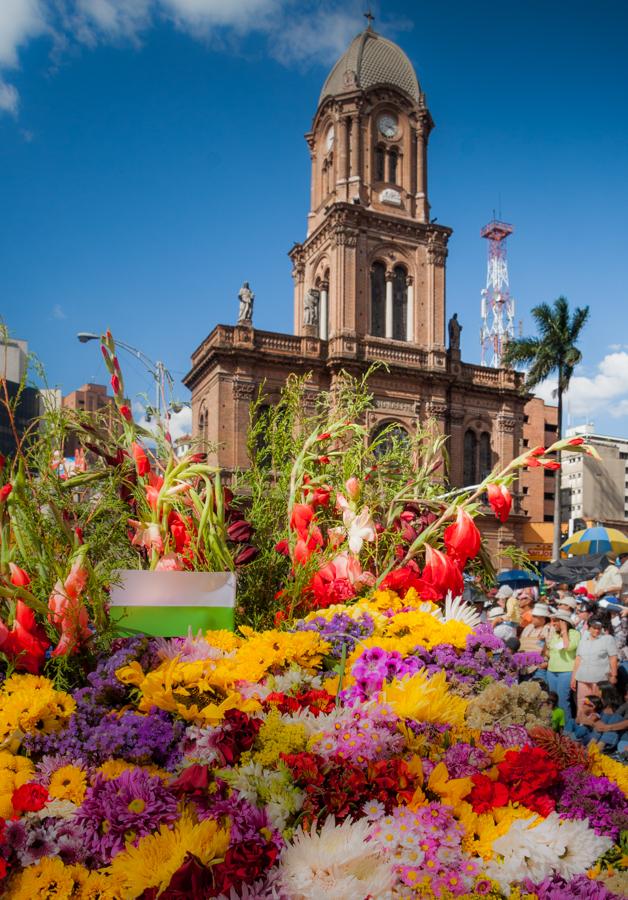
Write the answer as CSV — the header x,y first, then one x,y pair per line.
x,y
498,307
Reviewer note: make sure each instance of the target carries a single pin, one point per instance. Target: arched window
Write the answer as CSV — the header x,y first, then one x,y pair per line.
x,y
388,435
400,303
486,456
380,164
470,457
392,166
378,300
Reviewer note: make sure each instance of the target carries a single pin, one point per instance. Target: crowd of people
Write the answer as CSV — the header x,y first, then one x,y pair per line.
x,y
581,632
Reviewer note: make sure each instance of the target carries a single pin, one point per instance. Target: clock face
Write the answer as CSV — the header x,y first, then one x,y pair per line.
x,y
387,125
329,139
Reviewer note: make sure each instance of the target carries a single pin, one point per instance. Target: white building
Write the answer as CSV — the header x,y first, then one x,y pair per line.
x,y
596,490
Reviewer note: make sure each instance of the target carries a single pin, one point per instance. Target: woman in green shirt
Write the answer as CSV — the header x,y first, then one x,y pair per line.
x,y
561,657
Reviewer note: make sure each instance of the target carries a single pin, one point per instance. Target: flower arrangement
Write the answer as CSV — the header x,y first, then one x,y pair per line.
x,y
360,734
281,764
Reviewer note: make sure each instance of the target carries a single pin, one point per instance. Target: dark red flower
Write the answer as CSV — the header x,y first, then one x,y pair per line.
x,y
240,532
126,413
193,780
500,500
244,862
29,797
115,384
5,490
246,555
191,881
529,774
283,547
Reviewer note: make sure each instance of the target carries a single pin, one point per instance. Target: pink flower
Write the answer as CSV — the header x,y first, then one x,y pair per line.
x,y
148,535
352,487
69,615
171,562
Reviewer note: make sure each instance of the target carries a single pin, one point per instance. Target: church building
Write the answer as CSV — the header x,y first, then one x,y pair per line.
x,y
369,285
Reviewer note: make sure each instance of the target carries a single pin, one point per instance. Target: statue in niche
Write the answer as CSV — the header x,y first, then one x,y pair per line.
x,y
310,306
246,298
454,332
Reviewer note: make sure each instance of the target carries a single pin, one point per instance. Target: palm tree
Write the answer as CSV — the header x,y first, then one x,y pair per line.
x,y
553,352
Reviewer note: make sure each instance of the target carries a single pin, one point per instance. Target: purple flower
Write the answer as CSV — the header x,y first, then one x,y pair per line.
x,y
463,760
578,888
123,809
594,798
340,629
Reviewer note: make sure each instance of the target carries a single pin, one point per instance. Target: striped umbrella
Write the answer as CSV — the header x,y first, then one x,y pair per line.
x,y
596,540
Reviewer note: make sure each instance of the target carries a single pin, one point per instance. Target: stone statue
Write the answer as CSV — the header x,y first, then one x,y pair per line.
x,y
246,298
454,332
310,307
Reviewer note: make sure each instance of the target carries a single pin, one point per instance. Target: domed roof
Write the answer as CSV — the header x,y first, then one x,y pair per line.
x,y
371,60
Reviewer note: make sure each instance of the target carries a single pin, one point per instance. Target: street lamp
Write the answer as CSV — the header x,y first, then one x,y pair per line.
x,y
157,369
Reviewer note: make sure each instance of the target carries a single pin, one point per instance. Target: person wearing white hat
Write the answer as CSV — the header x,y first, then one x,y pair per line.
x,y
497,619
561,650
534,637
568,604
507,598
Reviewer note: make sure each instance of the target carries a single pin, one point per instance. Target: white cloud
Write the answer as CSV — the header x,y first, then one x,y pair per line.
x,y
58,312
315,31
9,98
603,393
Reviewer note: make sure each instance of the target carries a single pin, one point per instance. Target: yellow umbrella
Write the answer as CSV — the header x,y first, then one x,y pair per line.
x,y
596,540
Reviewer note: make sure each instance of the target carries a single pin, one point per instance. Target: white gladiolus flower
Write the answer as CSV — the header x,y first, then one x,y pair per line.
x,y
359,527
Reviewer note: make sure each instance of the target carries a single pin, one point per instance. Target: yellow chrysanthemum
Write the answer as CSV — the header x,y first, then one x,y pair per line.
x,y
155,859
424,699
428,631
223,640
49,879
68,783
600,764
97,885
30,703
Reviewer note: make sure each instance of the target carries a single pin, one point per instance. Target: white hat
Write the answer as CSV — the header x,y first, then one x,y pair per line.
x,y
568,600
540,609
504,592
495,612
563,616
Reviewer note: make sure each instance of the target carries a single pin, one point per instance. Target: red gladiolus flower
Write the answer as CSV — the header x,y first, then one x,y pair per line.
x,y
302,516
486,794
115,384
323,460
5,490
500,500
29,797
283,547
405,577
26,643
126,413
462,538
18,576
324,436
141,460
442,573
78,531
320,496
2,461
68,613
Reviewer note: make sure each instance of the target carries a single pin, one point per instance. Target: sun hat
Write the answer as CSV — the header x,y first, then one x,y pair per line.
x,y
563,616
495,612
504,592
571,602
540,609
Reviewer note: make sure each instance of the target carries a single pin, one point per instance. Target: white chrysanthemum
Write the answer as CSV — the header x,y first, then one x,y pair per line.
x,y
335,862
456,610
373,810
295,677
522,852
575,844
554,845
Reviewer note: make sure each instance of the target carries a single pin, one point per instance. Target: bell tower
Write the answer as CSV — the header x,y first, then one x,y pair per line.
x,y
372,266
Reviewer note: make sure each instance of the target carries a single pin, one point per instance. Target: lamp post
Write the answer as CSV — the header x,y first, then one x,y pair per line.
x,y
157,369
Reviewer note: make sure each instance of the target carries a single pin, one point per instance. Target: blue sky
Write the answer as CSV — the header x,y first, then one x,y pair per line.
x,y
152,158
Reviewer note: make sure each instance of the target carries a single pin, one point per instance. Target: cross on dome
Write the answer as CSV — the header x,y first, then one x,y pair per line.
x,y
370,18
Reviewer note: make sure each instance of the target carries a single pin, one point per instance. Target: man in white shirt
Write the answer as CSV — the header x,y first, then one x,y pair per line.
x,y
497,619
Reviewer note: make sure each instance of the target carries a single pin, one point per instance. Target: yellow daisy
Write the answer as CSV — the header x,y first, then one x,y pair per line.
x,y
68,783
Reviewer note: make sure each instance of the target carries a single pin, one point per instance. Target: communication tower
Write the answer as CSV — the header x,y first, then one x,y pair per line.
x,y
498,307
